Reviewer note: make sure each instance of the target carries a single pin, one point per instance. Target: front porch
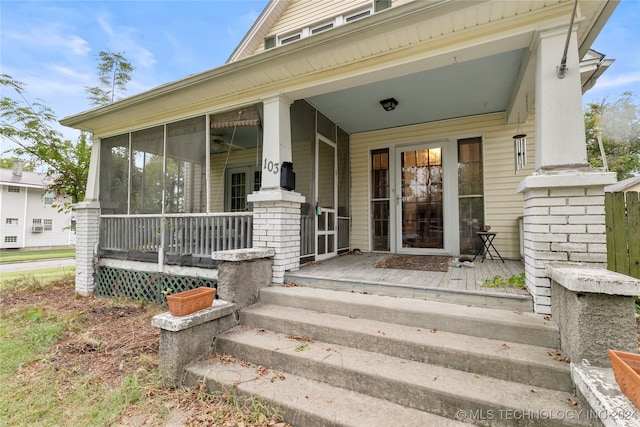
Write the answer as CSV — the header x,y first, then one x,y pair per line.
x,y
357,272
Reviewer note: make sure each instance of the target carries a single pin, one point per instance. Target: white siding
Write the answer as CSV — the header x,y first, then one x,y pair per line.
x,y
311,13
503,205
236,158
25,206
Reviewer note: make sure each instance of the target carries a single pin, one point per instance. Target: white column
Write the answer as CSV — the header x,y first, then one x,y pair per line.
x,y
564,199
560,137
276,139
93,179
87,232
276,212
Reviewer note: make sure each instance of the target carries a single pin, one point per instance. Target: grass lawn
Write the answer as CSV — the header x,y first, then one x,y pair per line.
x,y
73,361
15,256
40,275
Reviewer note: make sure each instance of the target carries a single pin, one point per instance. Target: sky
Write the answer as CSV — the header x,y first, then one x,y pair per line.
x,y
52,46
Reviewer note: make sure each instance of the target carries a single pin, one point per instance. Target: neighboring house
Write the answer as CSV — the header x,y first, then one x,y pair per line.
x,y
27,217
398,119
629,184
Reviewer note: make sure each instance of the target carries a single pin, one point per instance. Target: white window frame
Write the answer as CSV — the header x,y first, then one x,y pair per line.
x,y
12,221
13,189
48,198
47,224
10,239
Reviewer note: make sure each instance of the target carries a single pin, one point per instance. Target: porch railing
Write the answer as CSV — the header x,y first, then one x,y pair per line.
x,y
179,234
308,233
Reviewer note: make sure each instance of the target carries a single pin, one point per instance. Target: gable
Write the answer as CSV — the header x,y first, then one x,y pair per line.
x,y
286,21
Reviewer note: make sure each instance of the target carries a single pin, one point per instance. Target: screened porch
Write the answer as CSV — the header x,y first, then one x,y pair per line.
x,y
168,196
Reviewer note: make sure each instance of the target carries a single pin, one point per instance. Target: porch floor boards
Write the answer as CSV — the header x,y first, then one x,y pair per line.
x,y
361,268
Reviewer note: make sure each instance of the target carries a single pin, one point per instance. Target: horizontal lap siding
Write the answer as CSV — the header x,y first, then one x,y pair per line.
x,y
217,187
503,205
302,13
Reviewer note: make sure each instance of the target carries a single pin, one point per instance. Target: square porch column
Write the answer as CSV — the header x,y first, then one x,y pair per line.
x,y
87,232
88,226
276,211
564,217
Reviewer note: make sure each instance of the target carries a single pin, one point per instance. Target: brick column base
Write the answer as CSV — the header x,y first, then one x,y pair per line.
x,y
87,232
276,225
563,221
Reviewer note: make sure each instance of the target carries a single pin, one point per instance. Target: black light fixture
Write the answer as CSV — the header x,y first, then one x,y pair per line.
x,y
389,104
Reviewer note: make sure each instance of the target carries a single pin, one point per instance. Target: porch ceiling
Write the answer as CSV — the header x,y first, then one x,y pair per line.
x,y
474,87
440,59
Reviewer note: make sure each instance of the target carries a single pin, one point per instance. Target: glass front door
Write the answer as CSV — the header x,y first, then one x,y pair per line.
x,y
420,199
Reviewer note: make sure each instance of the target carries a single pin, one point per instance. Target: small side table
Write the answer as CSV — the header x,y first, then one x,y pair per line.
x,y
487,243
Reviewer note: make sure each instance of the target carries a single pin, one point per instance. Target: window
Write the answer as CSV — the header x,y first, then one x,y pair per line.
x,y
290,38
470,193
48,198
37,221
13,189
380,200
11,239
321,28
269,42
318,27
358,15
379,5
239,184
48,224
11,221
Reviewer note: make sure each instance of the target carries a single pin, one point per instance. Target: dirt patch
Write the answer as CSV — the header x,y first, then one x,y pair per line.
x,y
416,262
110,341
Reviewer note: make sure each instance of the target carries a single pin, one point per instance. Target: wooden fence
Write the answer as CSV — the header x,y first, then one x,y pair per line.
x,y
623,232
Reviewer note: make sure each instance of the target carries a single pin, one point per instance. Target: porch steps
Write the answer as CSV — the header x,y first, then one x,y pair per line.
x,y
363,360
450,295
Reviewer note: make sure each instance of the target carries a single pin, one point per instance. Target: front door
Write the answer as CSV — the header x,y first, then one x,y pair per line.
x,y
422,219
326,198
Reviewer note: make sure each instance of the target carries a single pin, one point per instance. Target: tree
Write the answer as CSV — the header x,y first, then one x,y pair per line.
x,y
114,72
618,125
30,126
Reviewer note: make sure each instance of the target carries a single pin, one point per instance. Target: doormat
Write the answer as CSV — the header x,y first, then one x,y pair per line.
x,y
416,262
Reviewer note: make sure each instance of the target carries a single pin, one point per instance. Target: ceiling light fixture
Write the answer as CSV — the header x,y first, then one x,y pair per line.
x,y
389,104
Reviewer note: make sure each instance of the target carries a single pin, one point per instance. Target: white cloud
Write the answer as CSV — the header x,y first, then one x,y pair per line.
x,y
50,36
619,80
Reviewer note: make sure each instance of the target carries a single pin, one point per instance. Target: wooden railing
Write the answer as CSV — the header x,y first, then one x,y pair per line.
x,y
623,228
179,234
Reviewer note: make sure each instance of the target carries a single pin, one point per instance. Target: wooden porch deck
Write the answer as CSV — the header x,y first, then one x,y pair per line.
x,y
459,284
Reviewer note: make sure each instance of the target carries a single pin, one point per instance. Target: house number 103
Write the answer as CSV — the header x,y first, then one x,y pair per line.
x,y
271,167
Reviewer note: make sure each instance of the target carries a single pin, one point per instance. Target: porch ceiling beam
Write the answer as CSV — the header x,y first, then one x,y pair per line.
x,y
522,98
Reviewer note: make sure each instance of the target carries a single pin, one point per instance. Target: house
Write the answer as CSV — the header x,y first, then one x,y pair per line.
x,y
29,219
629,184
384,126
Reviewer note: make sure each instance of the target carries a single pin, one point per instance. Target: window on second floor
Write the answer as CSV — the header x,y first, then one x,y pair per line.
x,y
349,16
48,198
13,189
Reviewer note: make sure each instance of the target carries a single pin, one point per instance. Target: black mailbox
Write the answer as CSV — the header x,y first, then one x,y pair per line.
x,y
287,176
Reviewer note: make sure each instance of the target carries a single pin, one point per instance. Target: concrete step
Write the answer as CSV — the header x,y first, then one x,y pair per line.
x,y
448,295
434,389
305,402
526,364
504,325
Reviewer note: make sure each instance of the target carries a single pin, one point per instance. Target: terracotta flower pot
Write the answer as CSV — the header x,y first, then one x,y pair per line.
x,y
190,301
626,367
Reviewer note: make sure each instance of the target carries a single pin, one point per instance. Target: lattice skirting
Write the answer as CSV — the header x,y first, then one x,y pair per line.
x,y
143,285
